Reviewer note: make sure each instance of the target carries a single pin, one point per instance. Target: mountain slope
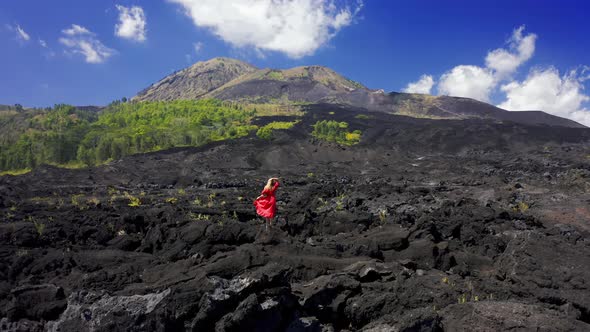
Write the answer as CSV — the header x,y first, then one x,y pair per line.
x,y
233,80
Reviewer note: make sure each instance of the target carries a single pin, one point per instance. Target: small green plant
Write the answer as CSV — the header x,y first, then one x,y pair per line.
x,y
133,201
462,299
331,113
197,201
211,199
310,175
39,226
363,117
78,201
199,216
93,201
172,200
235,215
112,191
445,280
181,192
521,207
382,215
241,198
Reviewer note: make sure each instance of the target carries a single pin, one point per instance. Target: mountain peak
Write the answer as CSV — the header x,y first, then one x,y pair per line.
x,y
197,80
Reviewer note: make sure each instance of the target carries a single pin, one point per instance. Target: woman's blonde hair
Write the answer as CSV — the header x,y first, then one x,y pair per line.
x,y
269,184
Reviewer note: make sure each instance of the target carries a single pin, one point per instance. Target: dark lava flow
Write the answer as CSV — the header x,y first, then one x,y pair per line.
x,y
424,226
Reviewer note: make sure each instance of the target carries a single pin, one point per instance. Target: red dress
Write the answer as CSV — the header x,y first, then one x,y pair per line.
x,y
266,207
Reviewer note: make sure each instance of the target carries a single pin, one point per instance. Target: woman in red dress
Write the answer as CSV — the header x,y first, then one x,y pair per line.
x,y
266,203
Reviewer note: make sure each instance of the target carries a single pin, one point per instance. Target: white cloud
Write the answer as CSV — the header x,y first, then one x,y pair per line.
x,y
467,81
21,34
76,30
132,23
198,47
547,91
505,62
294,27
479,82
42,43
423,85
82,41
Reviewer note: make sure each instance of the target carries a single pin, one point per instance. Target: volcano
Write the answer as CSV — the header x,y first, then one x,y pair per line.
x,y
234,80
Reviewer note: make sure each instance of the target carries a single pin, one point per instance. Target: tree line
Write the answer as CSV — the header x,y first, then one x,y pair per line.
x,y
64,134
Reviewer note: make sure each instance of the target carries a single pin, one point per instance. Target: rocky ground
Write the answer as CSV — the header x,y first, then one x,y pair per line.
x,y
424,226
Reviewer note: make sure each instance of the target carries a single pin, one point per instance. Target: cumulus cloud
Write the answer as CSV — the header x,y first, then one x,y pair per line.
x,y
42,43
505,62
479,82
548,91
132,23
294,27
467,81
423,85
80,40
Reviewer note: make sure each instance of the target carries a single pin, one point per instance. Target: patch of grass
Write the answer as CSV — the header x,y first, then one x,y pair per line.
x,y
275,75
363,117
197,201
172,200
181,192
266,132
270,109
15,172
310,175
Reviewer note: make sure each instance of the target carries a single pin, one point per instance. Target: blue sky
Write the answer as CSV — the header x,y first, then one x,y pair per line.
x,y
542,58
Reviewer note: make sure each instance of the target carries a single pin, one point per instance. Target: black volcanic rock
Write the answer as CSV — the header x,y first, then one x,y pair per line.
x,y
419,227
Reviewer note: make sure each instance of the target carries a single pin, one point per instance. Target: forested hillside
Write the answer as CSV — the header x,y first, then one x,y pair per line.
x,y
65,135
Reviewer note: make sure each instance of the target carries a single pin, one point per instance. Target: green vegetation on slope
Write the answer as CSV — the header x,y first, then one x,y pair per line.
x,y
66,135
266,131
334,131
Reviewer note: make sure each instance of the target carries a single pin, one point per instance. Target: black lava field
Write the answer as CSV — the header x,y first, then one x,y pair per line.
x,y
426,225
